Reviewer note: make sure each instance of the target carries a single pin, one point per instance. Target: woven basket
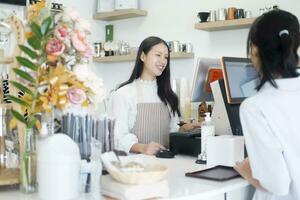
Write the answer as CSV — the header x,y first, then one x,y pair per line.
x,y
152,173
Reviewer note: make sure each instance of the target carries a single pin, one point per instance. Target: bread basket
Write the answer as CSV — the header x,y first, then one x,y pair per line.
x,y
153,171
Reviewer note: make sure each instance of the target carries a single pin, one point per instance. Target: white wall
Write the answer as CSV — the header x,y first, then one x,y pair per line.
x,y
174,20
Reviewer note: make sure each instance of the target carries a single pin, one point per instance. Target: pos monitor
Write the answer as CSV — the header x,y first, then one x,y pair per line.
x,y
240,78
199,87
240,81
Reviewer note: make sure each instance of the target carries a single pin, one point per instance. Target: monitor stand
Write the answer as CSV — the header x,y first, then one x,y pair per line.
x,y
219,113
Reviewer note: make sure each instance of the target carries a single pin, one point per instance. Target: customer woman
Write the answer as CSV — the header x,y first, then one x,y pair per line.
x,y
270,119
145,107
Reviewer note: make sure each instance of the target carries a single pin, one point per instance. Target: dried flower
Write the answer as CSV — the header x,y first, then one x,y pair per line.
x,y
76,96
55,47
61,32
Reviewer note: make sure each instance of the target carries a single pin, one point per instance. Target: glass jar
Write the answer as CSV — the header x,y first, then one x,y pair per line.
x,y
28,183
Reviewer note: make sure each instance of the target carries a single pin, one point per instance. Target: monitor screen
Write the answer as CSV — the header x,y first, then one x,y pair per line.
x,y
199,92
240,78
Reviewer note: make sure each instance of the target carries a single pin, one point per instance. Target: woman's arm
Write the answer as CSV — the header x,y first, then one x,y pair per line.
x,y
186,127
189,126
150,149
122,112
245,171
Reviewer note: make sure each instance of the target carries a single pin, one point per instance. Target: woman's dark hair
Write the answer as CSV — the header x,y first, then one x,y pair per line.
x,y
164,90
276,34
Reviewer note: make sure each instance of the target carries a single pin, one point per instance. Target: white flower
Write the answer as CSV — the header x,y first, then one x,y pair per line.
x,y
70,14
91,81
84,25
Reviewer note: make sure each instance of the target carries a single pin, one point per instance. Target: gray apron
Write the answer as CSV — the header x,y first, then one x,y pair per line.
x,y
152,123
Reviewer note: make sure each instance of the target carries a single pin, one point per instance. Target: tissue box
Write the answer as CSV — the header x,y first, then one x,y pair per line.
x,y
225,150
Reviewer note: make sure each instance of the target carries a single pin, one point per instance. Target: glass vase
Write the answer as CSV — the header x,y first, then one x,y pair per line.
x,y
28,183
48,120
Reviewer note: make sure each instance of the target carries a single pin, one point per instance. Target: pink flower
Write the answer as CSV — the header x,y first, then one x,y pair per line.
x,y
55,47
61,33
89,52
76,96
79,40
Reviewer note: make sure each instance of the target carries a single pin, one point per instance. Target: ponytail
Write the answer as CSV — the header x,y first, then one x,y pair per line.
x,y
288,58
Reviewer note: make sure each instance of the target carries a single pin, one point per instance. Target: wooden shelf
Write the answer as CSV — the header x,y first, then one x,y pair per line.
x,y
120,14
9,176
225,24
6,60
132,57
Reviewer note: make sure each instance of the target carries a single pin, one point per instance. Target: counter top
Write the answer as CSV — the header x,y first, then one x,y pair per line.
x,y
180,186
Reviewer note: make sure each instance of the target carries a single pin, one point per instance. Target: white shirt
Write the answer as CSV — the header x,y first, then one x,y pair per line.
x,y
270,121
124,110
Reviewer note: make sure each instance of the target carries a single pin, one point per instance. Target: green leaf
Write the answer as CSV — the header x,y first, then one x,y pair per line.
x,y
35,42
22,87
18,101
28,51
36,29
31,122
18,116
27,63
24,75
46,25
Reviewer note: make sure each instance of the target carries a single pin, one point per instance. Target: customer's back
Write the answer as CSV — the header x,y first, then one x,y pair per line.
x,y
275,151
270,118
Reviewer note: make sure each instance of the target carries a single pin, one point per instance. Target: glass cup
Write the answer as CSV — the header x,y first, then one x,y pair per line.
x,y
248,14
212,15
222,13
231,13
240,13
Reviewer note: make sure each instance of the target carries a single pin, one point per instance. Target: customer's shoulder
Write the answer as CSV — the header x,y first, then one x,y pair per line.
x,y
253,102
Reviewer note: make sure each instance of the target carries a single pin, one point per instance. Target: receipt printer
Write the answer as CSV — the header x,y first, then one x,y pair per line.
x,y
188,143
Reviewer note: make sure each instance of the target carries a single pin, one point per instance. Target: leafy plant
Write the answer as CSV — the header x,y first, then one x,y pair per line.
x,y
36,57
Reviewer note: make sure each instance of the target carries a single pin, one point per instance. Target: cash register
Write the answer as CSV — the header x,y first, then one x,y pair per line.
x,y
238,82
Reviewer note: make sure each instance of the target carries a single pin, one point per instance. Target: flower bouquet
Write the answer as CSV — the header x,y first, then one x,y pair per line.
x,y
54,75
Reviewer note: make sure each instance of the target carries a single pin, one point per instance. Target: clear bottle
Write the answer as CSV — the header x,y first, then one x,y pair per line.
x,y
28,163
207,130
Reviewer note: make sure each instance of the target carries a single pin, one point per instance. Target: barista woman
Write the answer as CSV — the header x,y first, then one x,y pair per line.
x,y
145,107
270,119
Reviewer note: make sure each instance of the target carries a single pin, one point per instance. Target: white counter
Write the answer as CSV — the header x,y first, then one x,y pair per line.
x,y
180,186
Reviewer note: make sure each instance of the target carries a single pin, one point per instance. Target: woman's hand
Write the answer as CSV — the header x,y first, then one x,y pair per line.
x,y
189,126
243,168
150,149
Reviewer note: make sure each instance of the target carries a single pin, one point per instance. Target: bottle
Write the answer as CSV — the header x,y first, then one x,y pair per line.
x,y
207,130
28,182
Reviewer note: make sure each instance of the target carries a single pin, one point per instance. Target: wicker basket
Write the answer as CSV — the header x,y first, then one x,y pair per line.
x,y
152,173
